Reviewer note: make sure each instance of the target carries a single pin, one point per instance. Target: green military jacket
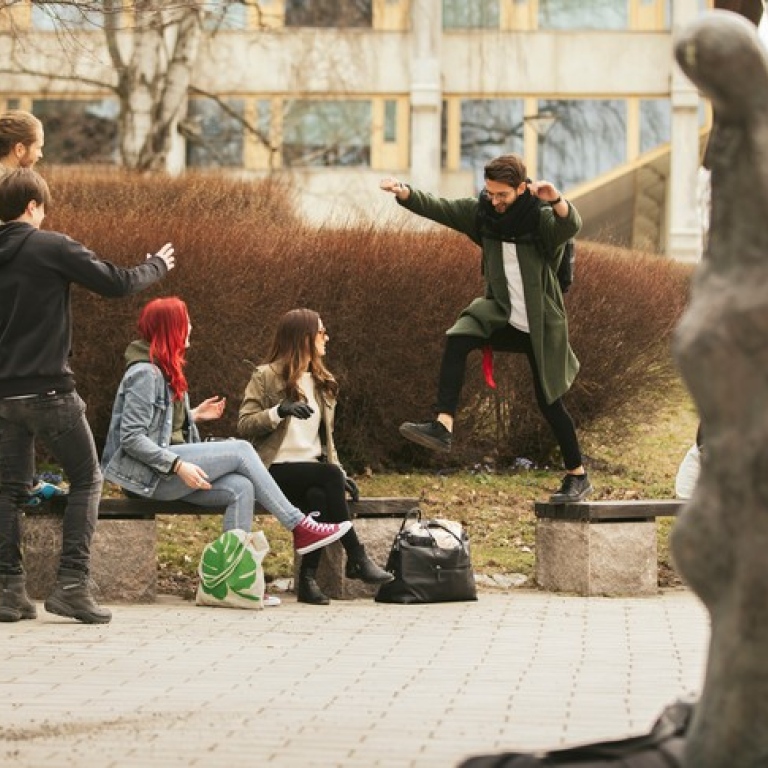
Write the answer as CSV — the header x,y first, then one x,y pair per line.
x,y
547,321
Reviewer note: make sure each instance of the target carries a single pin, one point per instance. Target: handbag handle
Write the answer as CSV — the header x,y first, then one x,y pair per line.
x,y
415,512
435,524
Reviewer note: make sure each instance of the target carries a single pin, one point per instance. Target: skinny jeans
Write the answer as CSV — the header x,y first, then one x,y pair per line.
x,y
317,486
58,421
238,479
508,339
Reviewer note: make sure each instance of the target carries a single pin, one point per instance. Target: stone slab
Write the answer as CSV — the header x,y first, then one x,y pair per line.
x,y
123,558
611,559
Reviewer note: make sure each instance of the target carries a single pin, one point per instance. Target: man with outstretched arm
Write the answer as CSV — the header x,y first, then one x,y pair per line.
x,y
37,388
521,227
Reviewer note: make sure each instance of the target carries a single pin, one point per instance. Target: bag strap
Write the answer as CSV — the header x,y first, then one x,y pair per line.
x,y
411,513
436,524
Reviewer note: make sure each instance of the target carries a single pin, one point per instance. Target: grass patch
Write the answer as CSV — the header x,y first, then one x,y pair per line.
x,y
496,508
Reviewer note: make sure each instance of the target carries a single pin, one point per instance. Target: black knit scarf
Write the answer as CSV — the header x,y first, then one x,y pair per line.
x,y
520,219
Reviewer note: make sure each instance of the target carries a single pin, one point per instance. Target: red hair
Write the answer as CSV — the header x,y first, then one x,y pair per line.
x,y
164,323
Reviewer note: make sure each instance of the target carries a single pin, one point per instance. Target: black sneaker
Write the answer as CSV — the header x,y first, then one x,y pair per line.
x,y
574,488
430,434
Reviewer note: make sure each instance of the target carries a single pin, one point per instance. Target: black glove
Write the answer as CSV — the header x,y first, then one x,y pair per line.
x,y
350,486
292,408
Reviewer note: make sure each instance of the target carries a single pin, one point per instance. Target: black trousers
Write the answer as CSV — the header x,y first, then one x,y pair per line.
x,y
508,339
59,422
315,486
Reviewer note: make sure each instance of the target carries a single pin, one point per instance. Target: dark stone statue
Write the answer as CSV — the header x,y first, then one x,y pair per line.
x,y
749,9
720,542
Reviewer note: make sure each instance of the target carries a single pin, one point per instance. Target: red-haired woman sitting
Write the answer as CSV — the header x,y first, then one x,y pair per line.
x,y
153,448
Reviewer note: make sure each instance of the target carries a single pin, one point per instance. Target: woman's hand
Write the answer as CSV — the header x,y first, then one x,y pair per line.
x,y
294,408
193,476
209,409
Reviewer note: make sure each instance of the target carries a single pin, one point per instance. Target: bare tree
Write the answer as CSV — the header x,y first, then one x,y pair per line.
x,y
147,59
152,48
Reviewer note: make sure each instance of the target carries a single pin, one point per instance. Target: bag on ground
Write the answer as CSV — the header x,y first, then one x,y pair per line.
x,y
661,747
430,560
230,571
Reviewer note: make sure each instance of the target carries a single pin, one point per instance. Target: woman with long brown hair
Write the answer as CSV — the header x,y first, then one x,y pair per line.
x,y
288,414
153,448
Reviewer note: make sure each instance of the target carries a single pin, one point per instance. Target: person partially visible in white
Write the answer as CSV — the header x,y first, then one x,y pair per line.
x,y
688,473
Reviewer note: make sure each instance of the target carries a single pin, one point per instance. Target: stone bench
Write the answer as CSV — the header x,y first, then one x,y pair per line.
x,y
124,548
600,547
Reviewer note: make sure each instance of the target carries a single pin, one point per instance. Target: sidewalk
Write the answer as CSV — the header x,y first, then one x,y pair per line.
x,y
352,684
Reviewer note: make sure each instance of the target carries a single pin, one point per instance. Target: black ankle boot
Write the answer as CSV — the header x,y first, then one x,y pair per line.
x,y
72,597
360,566
14,601
309,591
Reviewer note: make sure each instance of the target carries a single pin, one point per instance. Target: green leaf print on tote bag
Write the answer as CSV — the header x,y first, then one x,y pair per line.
x,y
230,571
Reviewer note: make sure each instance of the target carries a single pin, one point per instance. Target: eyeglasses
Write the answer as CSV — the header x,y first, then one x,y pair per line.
x,y
502,196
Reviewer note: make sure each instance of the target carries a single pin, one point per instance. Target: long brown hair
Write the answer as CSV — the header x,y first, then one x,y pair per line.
x,y
293,352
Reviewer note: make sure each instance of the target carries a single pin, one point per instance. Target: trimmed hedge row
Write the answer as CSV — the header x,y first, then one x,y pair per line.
x,y
386,295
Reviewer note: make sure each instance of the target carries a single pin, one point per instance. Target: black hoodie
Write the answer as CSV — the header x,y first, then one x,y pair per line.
x,y
36,270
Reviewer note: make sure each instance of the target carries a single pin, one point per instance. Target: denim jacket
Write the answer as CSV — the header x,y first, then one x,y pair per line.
x,y
138,448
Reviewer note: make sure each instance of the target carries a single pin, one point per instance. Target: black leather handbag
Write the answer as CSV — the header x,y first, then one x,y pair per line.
x,y
431,563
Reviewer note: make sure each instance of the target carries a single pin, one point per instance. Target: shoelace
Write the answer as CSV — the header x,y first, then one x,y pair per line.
x,y
319,527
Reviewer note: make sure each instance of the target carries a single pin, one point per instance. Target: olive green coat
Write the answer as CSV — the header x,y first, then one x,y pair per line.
x,y
547,320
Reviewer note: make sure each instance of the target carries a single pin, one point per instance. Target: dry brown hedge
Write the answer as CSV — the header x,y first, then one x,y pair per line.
x,y
244,258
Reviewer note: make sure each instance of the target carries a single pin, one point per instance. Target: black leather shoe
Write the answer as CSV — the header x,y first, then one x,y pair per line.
x,y
574,488
430,434
309,591
360,566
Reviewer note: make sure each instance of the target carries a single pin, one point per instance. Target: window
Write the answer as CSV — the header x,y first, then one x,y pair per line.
x,y
78,131
264,120
223,14
480,14
655,123
49,17
588,138
390,120
215,134
489,128
585,14
328,13
327,133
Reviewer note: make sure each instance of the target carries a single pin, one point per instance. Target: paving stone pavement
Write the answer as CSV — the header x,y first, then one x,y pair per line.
x,y
352,684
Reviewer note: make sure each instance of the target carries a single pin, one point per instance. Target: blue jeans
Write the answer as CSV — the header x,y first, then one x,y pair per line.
x,y
59,422
238,478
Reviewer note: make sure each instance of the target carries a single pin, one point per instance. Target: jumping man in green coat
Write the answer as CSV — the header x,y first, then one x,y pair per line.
x,y
521,227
